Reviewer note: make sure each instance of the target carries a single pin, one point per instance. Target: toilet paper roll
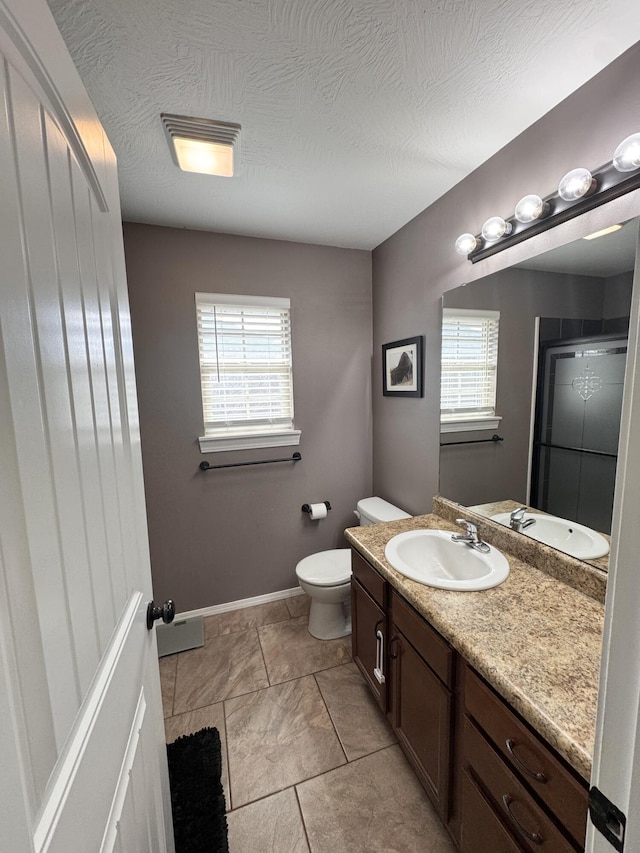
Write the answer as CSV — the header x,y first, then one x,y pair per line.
x,y
317,511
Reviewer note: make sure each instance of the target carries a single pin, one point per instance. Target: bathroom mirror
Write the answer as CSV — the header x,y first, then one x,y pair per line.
x,y
560,309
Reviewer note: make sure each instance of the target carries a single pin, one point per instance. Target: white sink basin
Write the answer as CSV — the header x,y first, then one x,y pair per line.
x,y
574,539
433,558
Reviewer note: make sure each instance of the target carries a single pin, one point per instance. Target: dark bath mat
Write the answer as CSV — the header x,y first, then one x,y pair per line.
x,y
197,798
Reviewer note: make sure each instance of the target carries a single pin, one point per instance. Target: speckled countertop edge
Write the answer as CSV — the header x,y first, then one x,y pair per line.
x,y
535,639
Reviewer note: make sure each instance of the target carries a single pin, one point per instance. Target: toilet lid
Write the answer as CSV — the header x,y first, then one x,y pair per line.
x,y
326,568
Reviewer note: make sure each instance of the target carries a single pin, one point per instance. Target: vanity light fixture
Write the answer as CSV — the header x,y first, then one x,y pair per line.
x,y
578,191
467,243
496,227
530,208
576,184
626,157
602,232
202,145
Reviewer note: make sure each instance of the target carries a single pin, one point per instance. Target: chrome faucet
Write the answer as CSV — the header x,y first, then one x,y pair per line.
x,y
517,522
470,536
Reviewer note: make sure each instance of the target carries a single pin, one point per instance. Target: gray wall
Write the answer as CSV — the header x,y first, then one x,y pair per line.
x,y
414,267
617,295
473,474
226,535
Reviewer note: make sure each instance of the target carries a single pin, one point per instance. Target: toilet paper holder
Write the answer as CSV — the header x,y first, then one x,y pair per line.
x,y
307,507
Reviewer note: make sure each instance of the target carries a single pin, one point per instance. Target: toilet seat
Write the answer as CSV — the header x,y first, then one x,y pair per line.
x,y
326,568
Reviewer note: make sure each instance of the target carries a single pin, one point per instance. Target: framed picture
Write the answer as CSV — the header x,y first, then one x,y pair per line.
x,y
402,368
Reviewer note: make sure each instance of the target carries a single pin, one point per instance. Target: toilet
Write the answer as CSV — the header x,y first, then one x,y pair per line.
x,y
326,576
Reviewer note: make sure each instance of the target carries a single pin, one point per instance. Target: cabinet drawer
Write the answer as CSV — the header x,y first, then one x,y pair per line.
x,y
510,800
528,756
482,831
425,640
368,577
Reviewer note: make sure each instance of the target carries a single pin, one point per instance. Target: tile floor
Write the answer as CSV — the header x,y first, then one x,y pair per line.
x,y
310,764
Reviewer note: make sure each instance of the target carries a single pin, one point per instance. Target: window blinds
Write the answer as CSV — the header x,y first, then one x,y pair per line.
x,y
469,363
245,362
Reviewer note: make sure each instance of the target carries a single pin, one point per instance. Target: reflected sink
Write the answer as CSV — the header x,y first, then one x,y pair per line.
x,y
431,557
574,539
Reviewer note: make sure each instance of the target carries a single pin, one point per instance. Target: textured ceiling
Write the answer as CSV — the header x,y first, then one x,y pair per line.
x,y
603,257
355,115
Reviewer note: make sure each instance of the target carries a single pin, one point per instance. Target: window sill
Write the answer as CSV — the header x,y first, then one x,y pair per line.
x,y
470,424
248,441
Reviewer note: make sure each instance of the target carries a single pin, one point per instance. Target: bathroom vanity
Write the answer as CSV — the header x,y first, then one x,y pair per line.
x,y
492,694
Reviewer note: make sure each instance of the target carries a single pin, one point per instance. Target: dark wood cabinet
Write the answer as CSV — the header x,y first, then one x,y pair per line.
x,y
496,784
483,831
421,709
369,629
421,718
531,792
506,798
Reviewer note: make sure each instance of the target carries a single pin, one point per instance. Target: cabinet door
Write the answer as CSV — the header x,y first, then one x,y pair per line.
x,y
422,720
368,641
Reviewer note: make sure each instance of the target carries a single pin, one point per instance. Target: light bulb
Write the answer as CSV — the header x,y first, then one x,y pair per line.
x,y
576,184
626,157
495,227
530,208
466,243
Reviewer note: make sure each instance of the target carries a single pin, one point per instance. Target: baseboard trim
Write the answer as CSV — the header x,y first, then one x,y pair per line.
x,y
242,602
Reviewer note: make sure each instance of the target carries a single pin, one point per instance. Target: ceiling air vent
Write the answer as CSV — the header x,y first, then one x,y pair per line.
x,y
203,145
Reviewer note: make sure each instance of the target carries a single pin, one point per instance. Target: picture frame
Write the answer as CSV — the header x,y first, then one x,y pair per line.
x,y
402,374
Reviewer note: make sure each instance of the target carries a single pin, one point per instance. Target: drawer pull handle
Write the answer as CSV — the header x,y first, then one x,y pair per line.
x,y
535,837
379,667
539,777
393,655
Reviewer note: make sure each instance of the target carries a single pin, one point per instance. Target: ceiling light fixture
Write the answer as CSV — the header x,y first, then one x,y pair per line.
x,y
578,192
202,145
602,232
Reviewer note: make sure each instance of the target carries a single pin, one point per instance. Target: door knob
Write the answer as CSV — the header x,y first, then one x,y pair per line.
x,y
166,613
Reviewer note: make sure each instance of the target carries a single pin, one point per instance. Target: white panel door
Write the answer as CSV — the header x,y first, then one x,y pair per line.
x,y
81,729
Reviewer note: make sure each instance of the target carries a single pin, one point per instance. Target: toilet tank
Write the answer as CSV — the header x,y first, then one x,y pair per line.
x,y
374,510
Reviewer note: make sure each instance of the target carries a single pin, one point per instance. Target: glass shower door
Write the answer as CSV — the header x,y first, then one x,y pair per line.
x,y
580,386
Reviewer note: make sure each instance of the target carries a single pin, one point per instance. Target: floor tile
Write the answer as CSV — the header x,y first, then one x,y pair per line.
x,y
373,805
272,825
359,722
290,651
168,682
298,605
277,737
224,666
193,721
248,617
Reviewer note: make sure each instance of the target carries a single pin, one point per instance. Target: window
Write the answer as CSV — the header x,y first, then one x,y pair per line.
x,y
469,368
245,369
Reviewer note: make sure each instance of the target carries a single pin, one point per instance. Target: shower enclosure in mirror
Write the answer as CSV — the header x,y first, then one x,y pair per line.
x,y
577,426
567,312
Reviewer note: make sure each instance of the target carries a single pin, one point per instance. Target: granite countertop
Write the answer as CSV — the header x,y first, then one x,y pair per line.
x,y
534,638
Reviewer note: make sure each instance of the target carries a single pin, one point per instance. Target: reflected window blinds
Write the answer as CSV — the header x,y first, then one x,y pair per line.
x,y
469,363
